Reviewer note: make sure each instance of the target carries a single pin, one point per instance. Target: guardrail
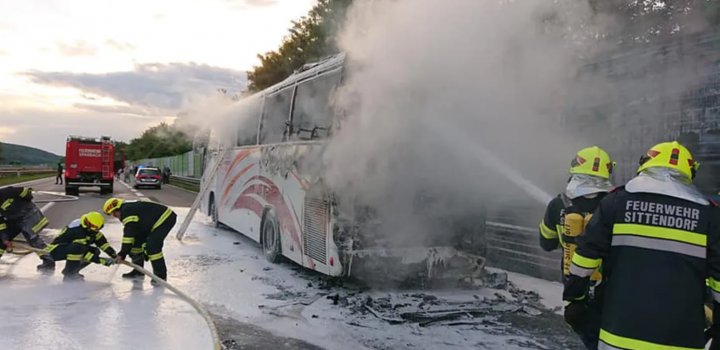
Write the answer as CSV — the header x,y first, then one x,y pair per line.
x,y
188,183
20,172
9,177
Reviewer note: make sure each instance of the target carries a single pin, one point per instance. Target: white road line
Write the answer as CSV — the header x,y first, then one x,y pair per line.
x,y
134,190
47,206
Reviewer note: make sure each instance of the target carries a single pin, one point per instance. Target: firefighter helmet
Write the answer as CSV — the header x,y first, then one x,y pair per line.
x,y
671,155
592,161
112,205
93,221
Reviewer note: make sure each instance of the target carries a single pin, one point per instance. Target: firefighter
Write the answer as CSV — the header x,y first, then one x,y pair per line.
x,y
59,176
77,243
146,226
658,239
22,216
565,219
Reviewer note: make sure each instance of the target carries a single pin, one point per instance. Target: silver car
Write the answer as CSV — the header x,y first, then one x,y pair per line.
x,y
148,177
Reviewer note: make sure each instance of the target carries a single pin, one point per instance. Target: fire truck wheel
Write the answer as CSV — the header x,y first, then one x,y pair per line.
x,y
72,191
271,237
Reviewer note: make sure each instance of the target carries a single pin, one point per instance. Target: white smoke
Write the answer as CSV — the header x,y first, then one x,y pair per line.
x,y
221,120
444,100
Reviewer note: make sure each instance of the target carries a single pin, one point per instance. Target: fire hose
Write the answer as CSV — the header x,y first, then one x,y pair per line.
x,y
205,315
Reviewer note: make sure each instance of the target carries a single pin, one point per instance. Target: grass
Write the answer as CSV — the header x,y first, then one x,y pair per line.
x,y
9,180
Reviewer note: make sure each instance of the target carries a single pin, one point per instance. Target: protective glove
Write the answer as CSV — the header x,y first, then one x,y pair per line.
x,y
8,246
106,261
29,195
576,313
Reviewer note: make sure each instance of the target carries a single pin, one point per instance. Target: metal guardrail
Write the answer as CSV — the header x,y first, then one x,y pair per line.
x,y
185,182
20,172
517,248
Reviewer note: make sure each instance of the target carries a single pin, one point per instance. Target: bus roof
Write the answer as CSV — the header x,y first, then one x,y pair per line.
x,y
307,71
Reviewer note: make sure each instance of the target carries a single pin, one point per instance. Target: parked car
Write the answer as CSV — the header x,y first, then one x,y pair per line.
x,y
148,177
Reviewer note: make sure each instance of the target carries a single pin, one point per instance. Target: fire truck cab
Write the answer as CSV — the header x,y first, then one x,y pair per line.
x,y
88,163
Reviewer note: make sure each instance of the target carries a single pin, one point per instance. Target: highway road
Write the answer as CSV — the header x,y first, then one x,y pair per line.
x,y
61,209
255,304
62,212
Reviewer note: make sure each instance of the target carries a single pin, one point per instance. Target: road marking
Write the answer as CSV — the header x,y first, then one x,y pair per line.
x,y
134,190
47,206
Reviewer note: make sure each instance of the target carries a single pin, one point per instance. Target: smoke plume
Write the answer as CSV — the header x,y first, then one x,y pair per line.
x,y
452,107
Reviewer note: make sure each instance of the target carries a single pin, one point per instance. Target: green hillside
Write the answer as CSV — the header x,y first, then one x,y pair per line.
x,y
23,155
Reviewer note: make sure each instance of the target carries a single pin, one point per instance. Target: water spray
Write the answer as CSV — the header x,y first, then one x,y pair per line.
x,y
482,155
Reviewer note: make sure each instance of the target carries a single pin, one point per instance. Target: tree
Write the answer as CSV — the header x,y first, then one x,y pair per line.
x,y
1,152
159,141
653,21
310,39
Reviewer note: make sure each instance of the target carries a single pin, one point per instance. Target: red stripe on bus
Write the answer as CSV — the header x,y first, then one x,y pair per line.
x,y
271,193
229,186
238,158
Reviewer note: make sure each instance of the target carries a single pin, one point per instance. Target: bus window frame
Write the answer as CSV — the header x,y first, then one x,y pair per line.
x,y
289,132
286,120
258,115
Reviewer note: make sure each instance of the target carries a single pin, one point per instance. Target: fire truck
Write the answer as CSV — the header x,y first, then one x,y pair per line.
x,y
88,163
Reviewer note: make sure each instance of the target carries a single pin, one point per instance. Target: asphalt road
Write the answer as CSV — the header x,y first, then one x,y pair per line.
x,y
62,212
61,209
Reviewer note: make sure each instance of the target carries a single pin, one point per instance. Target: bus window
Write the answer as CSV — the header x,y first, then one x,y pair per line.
x,y
276,113
248,119
313,114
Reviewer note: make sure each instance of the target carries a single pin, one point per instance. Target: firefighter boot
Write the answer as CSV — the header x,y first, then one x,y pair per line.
x,y
48,264
160,270
71,272
138,260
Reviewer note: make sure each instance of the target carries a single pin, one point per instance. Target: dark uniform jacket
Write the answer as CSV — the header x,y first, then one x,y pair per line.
x,y
14,201
3,232
75,233
656,252
140,219
552,226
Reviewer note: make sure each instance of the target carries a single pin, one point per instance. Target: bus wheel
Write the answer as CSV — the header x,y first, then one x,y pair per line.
x,y
214,213
271,237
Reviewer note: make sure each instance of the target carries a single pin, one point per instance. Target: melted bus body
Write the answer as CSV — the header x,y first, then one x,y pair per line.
x,y
269,186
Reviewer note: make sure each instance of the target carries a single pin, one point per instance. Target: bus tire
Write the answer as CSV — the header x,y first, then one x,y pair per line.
x,y
270,235
212,208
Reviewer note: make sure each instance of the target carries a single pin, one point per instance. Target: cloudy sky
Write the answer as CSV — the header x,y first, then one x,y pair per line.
x,y
89,67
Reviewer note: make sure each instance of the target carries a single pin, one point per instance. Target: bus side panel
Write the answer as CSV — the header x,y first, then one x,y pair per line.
x,y
293,193
240,207
304,212
309,199
272,181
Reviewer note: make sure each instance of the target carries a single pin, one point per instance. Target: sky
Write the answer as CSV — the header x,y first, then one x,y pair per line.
x,y
115,68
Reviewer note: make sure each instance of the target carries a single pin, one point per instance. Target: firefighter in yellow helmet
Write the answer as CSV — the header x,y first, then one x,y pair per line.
x,y
565,218
78,244
146,226
22,216
658,240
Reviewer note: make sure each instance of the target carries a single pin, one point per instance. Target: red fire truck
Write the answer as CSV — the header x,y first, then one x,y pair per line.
x,y
89,163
